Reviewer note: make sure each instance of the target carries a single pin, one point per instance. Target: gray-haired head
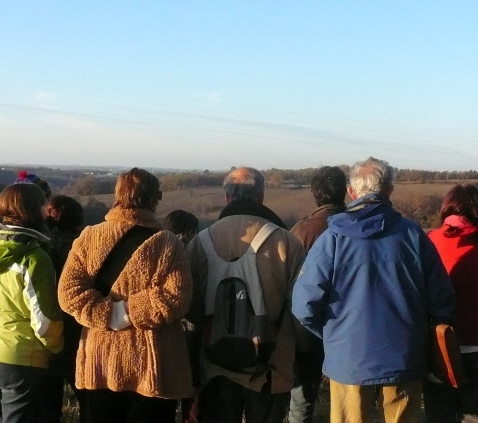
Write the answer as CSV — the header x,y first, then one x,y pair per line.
x,y
371,176
244,183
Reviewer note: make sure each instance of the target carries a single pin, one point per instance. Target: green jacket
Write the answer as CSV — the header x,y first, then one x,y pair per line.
x,y
30,318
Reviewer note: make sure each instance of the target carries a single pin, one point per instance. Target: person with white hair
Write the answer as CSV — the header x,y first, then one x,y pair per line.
x,y
370,286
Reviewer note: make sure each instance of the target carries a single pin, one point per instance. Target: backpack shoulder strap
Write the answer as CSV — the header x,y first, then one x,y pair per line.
x,y
206,241
262,235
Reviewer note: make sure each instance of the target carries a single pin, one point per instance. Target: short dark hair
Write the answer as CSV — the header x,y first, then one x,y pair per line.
x,y
180,222
64,212
461,200
329,186
137,189
21,205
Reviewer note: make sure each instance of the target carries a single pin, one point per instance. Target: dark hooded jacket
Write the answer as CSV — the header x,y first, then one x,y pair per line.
x,y
369,287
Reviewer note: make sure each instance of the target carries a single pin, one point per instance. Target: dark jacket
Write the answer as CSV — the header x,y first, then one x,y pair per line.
x,y
310,228
307,231
369,287
60,245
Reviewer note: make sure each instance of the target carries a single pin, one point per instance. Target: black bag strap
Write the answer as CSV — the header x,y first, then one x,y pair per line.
x,y
119,256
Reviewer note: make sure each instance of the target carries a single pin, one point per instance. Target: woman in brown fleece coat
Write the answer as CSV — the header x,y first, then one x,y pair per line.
x,y
128,283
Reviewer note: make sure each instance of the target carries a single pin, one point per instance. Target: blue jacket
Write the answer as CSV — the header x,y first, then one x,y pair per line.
x,y
369,287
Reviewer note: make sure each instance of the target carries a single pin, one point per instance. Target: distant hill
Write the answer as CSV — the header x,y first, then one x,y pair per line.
x,y
92,168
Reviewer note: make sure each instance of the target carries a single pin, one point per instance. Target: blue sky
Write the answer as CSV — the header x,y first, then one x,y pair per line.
x,y
215,84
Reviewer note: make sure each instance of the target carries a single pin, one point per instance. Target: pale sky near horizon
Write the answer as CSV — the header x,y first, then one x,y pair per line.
x,y
214,84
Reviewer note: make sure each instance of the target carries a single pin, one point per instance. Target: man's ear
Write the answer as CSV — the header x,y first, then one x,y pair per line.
x,y
351,193
227,198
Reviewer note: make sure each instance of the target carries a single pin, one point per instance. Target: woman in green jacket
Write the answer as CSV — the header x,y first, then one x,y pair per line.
x,y
30,318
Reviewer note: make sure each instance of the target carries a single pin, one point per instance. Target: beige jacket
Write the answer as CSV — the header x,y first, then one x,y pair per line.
x,y
279,260
150,357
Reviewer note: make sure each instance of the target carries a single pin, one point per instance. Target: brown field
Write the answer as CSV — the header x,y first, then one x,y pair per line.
x,y
290,204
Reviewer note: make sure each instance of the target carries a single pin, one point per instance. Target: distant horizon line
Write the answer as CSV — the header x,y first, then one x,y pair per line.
x,y
20,166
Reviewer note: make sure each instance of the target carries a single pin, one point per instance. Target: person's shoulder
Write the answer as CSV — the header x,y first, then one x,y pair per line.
x,y
305,222
299,225
291,241
164,237
311,223
91,235
410,225
93,229
38,256
436,233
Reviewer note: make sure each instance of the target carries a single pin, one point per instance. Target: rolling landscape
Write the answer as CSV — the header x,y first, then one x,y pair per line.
x,y
418,201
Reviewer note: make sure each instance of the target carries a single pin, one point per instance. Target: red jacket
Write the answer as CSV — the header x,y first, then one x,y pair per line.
x,y
459,253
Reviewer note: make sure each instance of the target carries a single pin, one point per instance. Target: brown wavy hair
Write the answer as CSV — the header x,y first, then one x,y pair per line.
x,y
461,200
137,189
21,205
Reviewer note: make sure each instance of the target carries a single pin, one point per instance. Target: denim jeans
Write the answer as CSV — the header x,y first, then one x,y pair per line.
x,y
21,392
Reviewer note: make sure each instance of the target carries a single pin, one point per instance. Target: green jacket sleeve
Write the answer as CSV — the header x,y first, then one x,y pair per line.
x,y
41,298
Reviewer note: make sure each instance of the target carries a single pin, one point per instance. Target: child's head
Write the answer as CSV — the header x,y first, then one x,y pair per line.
x,y
183,224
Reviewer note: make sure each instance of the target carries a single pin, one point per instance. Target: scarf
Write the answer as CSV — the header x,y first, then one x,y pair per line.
x,y
251,208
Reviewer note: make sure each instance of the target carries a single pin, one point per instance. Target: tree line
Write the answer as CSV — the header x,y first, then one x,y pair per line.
x,y
94,182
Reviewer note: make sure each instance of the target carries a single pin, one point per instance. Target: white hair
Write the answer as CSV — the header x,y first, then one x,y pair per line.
x,y
371,176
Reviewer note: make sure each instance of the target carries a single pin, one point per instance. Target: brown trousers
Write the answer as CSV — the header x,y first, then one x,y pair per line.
x,y
356,403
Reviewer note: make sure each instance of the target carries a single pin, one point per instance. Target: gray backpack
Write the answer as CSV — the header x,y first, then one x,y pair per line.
x,y
238,334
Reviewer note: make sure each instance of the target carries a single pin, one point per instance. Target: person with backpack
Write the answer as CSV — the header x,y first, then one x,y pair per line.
x,y
244,267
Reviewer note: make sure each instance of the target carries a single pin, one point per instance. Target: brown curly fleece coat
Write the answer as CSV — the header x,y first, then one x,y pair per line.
x,y
150,357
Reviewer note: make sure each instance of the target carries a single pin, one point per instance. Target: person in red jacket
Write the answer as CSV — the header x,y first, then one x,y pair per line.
x,y
457,243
